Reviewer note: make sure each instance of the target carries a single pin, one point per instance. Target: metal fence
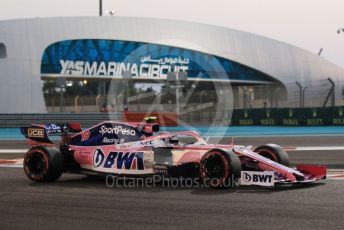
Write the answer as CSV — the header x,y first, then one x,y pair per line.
x,y
301,94
292,95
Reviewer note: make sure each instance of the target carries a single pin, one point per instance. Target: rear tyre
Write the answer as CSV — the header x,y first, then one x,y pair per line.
x,y
43,164
219,168
273,152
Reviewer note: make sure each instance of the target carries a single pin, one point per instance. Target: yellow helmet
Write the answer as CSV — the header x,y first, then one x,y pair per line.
x,y
150,119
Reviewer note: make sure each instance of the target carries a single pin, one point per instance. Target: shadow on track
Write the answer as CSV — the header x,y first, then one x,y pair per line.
x,y
279,188
99,183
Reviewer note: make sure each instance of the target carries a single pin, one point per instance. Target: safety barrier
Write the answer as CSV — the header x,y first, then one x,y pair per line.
x,y
289,116
85,119
242,117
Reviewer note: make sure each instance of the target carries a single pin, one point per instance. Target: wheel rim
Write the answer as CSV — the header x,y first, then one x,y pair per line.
x,y
36,165
214,167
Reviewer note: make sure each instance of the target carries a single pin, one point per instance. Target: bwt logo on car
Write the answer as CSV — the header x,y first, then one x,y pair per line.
x,y
258,178
116,130
266,178
119,160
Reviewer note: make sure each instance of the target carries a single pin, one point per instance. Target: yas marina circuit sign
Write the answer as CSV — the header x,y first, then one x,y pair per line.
x,y
104,58
148,67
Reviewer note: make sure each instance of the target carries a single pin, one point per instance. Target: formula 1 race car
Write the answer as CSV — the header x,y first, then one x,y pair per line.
x,y
138,149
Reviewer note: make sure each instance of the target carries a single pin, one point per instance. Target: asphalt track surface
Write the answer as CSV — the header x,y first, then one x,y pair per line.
x,y
76,201
332,158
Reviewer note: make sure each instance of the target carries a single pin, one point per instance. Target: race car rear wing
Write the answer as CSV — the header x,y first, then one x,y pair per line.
x,y
105,133
39,133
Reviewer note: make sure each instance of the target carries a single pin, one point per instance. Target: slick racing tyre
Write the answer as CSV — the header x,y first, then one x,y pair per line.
x,y
43,164
220,169
273,152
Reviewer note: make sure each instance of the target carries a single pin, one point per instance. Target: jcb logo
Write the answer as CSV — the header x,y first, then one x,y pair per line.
x,y
33,132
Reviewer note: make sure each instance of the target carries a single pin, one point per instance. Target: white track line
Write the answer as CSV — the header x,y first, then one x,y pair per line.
x,y
13,150
11,166
315,148
11,163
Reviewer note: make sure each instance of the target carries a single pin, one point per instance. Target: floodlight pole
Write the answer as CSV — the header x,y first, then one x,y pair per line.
x,y
176,77
300,93
100,7
61,83
127,78
177,93
61,99
201,96
331,94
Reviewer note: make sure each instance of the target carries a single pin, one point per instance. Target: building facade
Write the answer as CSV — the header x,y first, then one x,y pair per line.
x,y
34,53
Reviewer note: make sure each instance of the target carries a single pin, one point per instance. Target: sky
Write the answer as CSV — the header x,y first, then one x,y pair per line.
x,y
308,24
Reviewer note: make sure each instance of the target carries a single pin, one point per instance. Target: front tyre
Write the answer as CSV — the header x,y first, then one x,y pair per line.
x,y
273,152
43,164
219,168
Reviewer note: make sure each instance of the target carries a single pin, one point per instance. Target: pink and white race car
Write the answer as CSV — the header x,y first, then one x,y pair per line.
x,y
138,149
